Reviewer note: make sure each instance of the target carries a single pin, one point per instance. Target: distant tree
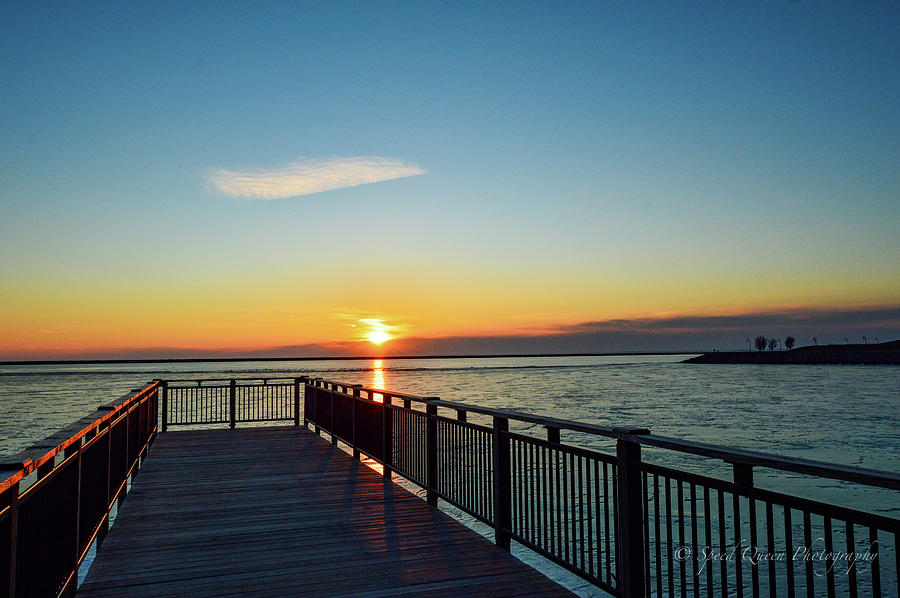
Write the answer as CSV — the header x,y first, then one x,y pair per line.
x,y
773,342
760,343
789,342
865,340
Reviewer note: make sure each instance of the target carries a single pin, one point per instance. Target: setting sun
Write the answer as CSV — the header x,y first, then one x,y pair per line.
x,y
378,337
378,331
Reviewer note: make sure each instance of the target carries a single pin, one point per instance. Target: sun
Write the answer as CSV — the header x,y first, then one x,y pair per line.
x,y
378,331
378,337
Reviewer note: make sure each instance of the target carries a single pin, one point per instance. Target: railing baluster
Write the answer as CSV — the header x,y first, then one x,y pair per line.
x,y
669,549
695,578
770,534
754,564
807,540
789,551
829,559
851,567
608,535
546,480
875,567
581,538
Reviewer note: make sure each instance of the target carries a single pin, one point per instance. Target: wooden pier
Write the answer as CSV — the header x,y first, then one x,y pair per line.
x,y
245,509
278,511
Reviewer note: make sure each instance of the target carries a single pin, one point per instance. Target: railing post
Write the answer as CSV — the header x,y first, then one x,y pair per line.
x,y
629,513
387,440
743,474
165,405
11,498
296,401
317,384
356,396
502,482
104,525
743,479
75,449
304,381
331,428
552,435
232,403
431,442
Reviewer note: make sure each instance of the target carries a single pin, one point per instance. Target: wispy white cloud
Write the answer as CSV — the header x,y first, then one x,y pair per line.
x,y
309,175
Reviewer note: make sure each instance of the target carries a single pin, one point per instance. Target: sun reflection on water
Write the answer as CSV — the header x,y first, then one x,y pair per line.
x,y
377,379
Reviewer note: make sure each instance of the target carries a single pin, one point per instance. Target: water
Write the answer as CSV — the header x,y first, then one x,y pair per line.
x,y
840,414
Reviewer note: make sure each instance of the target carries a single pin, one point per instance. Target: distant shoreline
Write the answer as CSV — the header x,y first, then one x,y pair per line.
x,y
880,354
326,358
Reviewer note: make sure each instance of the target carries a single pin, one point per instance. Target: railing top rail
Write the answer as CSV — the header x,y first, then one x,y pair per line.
x,y
30,459
861,475
380,391
238,379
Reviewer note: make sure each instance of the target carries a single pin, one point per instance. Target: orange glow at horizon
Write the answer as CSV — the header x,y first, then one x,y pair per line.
x,y
54,315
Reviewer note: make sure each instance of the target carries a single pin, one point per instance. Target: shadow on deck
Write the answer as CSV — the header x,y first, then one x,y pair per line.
x,y
277,511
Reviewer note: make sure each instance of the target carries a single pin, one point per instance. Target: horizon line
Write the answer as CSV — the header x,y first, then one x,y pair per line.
x,y
335,358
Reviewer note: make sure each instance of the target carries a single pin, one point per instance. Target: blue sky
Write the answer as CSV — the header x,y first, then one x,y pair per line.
x,y
746,151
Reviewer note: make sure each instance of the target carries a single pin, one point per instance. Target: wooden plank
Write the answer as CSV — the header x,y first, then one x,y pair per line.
x,y
274,511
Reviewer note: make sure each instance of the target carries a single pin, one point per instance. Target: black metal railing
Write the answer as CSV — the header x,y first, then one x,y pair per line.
x,y
56,496
229,401
631,527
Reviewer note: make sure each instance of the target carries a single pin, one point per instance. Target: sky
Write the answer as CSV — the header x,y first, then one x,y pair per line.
x,y
403,177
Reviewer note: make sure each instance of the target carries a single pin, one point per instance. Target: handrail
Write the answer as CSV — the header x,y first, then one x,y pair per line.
x,y
245,378
574,505
26,462
849,473
48,526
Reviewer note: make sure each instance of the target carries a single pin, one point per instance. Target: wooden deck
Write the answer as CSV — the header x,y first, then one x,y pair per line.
x,y
278,511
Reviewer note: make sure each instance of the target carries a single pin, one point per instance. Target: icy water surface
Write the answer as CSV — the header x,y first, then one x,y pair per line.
x,y
840,414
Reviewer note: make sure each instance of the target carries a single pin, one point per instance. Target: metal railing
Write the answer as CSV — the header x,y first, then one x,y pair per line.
x,y
56,497
631,527
229,401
